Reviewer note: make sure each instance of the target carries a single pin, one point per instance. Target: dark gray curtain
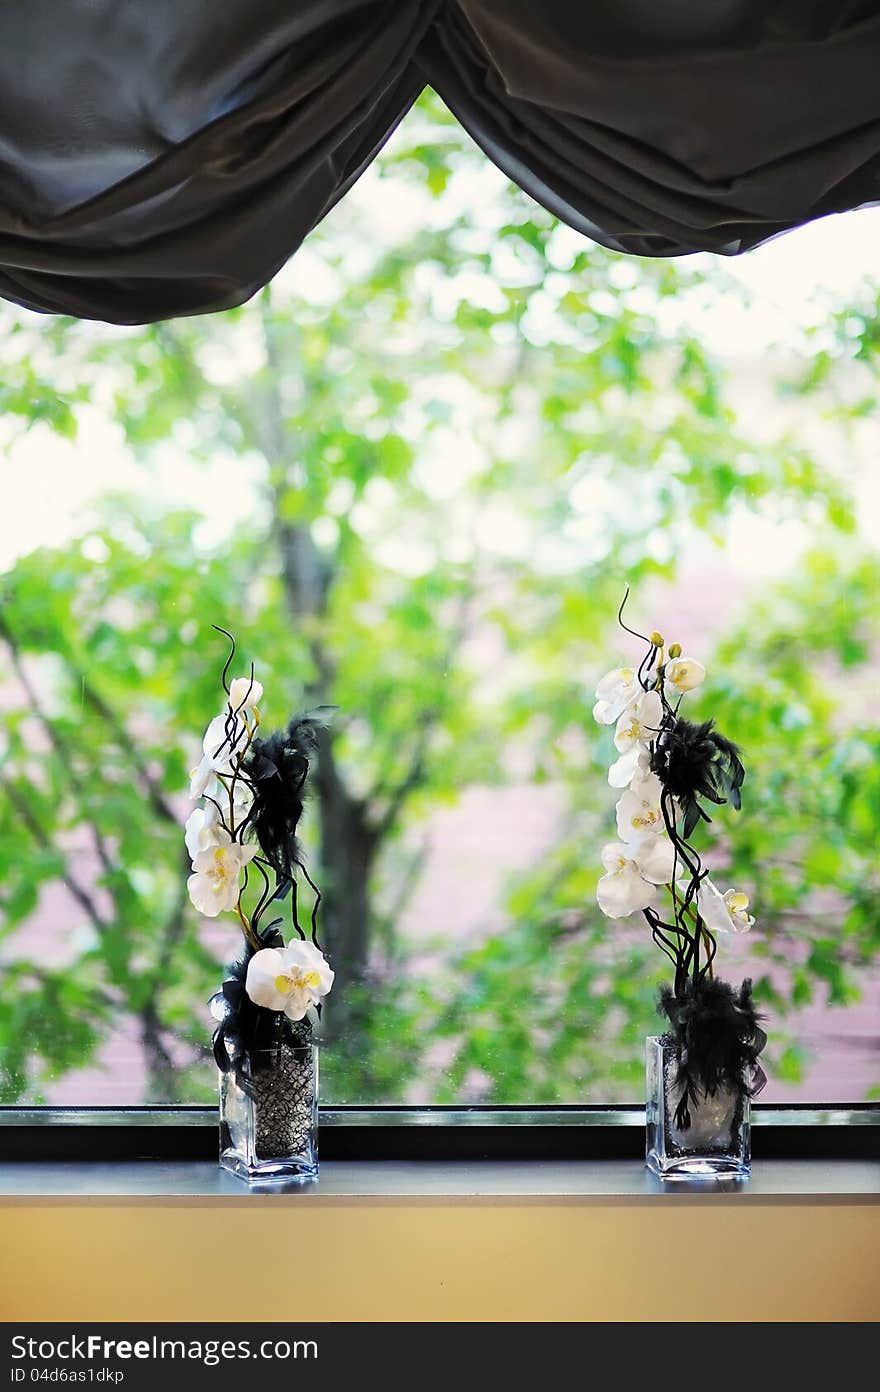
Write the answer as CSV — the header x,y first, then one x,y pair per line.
x,y
166,157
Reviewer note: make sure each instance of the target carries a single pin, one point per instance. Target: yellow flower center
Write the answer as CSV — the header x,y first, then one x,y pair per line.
x,y
295,980
222,869
738,902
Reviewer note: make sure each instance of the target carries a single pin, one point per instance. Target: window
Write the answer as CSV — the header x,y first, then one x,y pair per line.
x,y
414,477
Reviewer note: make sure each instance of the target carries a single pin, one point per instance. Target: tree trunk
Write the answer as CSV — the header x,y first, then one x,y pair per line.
x,y
347,844
347,853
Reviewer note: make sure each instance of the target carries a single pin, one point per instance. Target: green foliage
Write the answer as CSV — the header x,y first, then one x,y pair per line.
x,y
783,686
462,439
797,697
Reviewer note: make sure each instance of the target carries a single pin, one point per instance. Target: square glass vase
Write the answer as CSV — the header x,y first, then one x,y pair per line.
x,y
716,1145
269,1115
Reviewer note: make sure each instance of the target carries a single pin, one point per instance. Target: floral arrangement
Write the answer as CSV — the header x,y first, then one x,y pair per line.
x,y
667,768
251,790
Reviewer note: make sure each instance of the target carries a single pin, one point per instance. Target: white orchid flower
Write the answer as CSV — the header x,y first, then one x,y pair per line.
x,y
636,728
655,857
214,885
245,693
623,770
633,873
203,779
723,913
615,693
289,978
638,811
205,783
640,724
683,674
241,789
202,830
242,800
225,741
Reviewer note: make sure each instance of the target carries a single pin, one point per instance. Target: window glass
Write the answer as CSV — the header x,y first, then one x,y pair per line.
x,y
414,478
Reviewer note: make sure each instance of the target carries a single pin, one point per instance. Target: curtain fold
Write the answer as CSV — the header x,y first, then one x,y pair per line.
x,y
163,158
166,158
663,130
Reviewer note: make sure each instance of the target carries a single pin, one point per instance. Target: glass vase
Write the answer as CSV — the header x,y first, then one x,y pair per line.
x,y
716,1144
269,1115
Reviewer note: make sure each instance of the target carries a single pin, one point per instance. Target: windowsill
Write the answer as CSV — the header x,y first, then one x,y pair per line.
x,y
541,1240
574,1181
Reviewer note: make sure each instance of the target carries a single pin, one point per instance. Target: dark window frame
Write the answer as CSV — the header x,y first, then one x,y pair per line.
x,y
794,1131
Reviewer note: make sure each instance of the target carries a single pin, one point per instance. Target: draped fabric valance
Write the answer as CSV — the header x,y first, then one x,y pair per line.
x,y
166,157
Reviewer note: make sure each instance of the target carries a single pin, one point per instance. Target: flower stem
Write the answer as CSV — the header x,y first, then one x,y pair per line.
x,y
703,933
247,929
251,731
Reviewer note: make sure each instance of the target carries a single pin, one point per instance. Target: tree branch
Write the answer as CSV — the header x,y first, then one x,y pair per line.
x,y
306,575
412,779
415,774
151,785
160,1064
24,970
173,926
82,897
402,896
59,744
124,740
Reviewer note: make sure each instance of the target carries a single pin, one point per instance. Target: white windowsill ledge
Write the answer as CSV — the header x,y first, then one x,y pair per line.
x,y
575,1181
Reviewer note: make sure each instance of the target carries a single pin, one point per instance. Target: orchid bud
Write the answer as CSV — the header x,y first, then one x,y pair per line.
x,y
657,639
675,649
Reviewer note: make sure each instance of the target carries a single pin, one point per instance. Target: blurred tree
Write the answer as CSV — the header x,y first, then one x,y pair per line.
x,y
462,438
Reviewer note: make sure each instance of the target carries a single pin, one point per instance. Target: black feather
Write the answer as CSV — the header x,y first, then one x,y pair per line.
x,y
717,1041
694,761
277,768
